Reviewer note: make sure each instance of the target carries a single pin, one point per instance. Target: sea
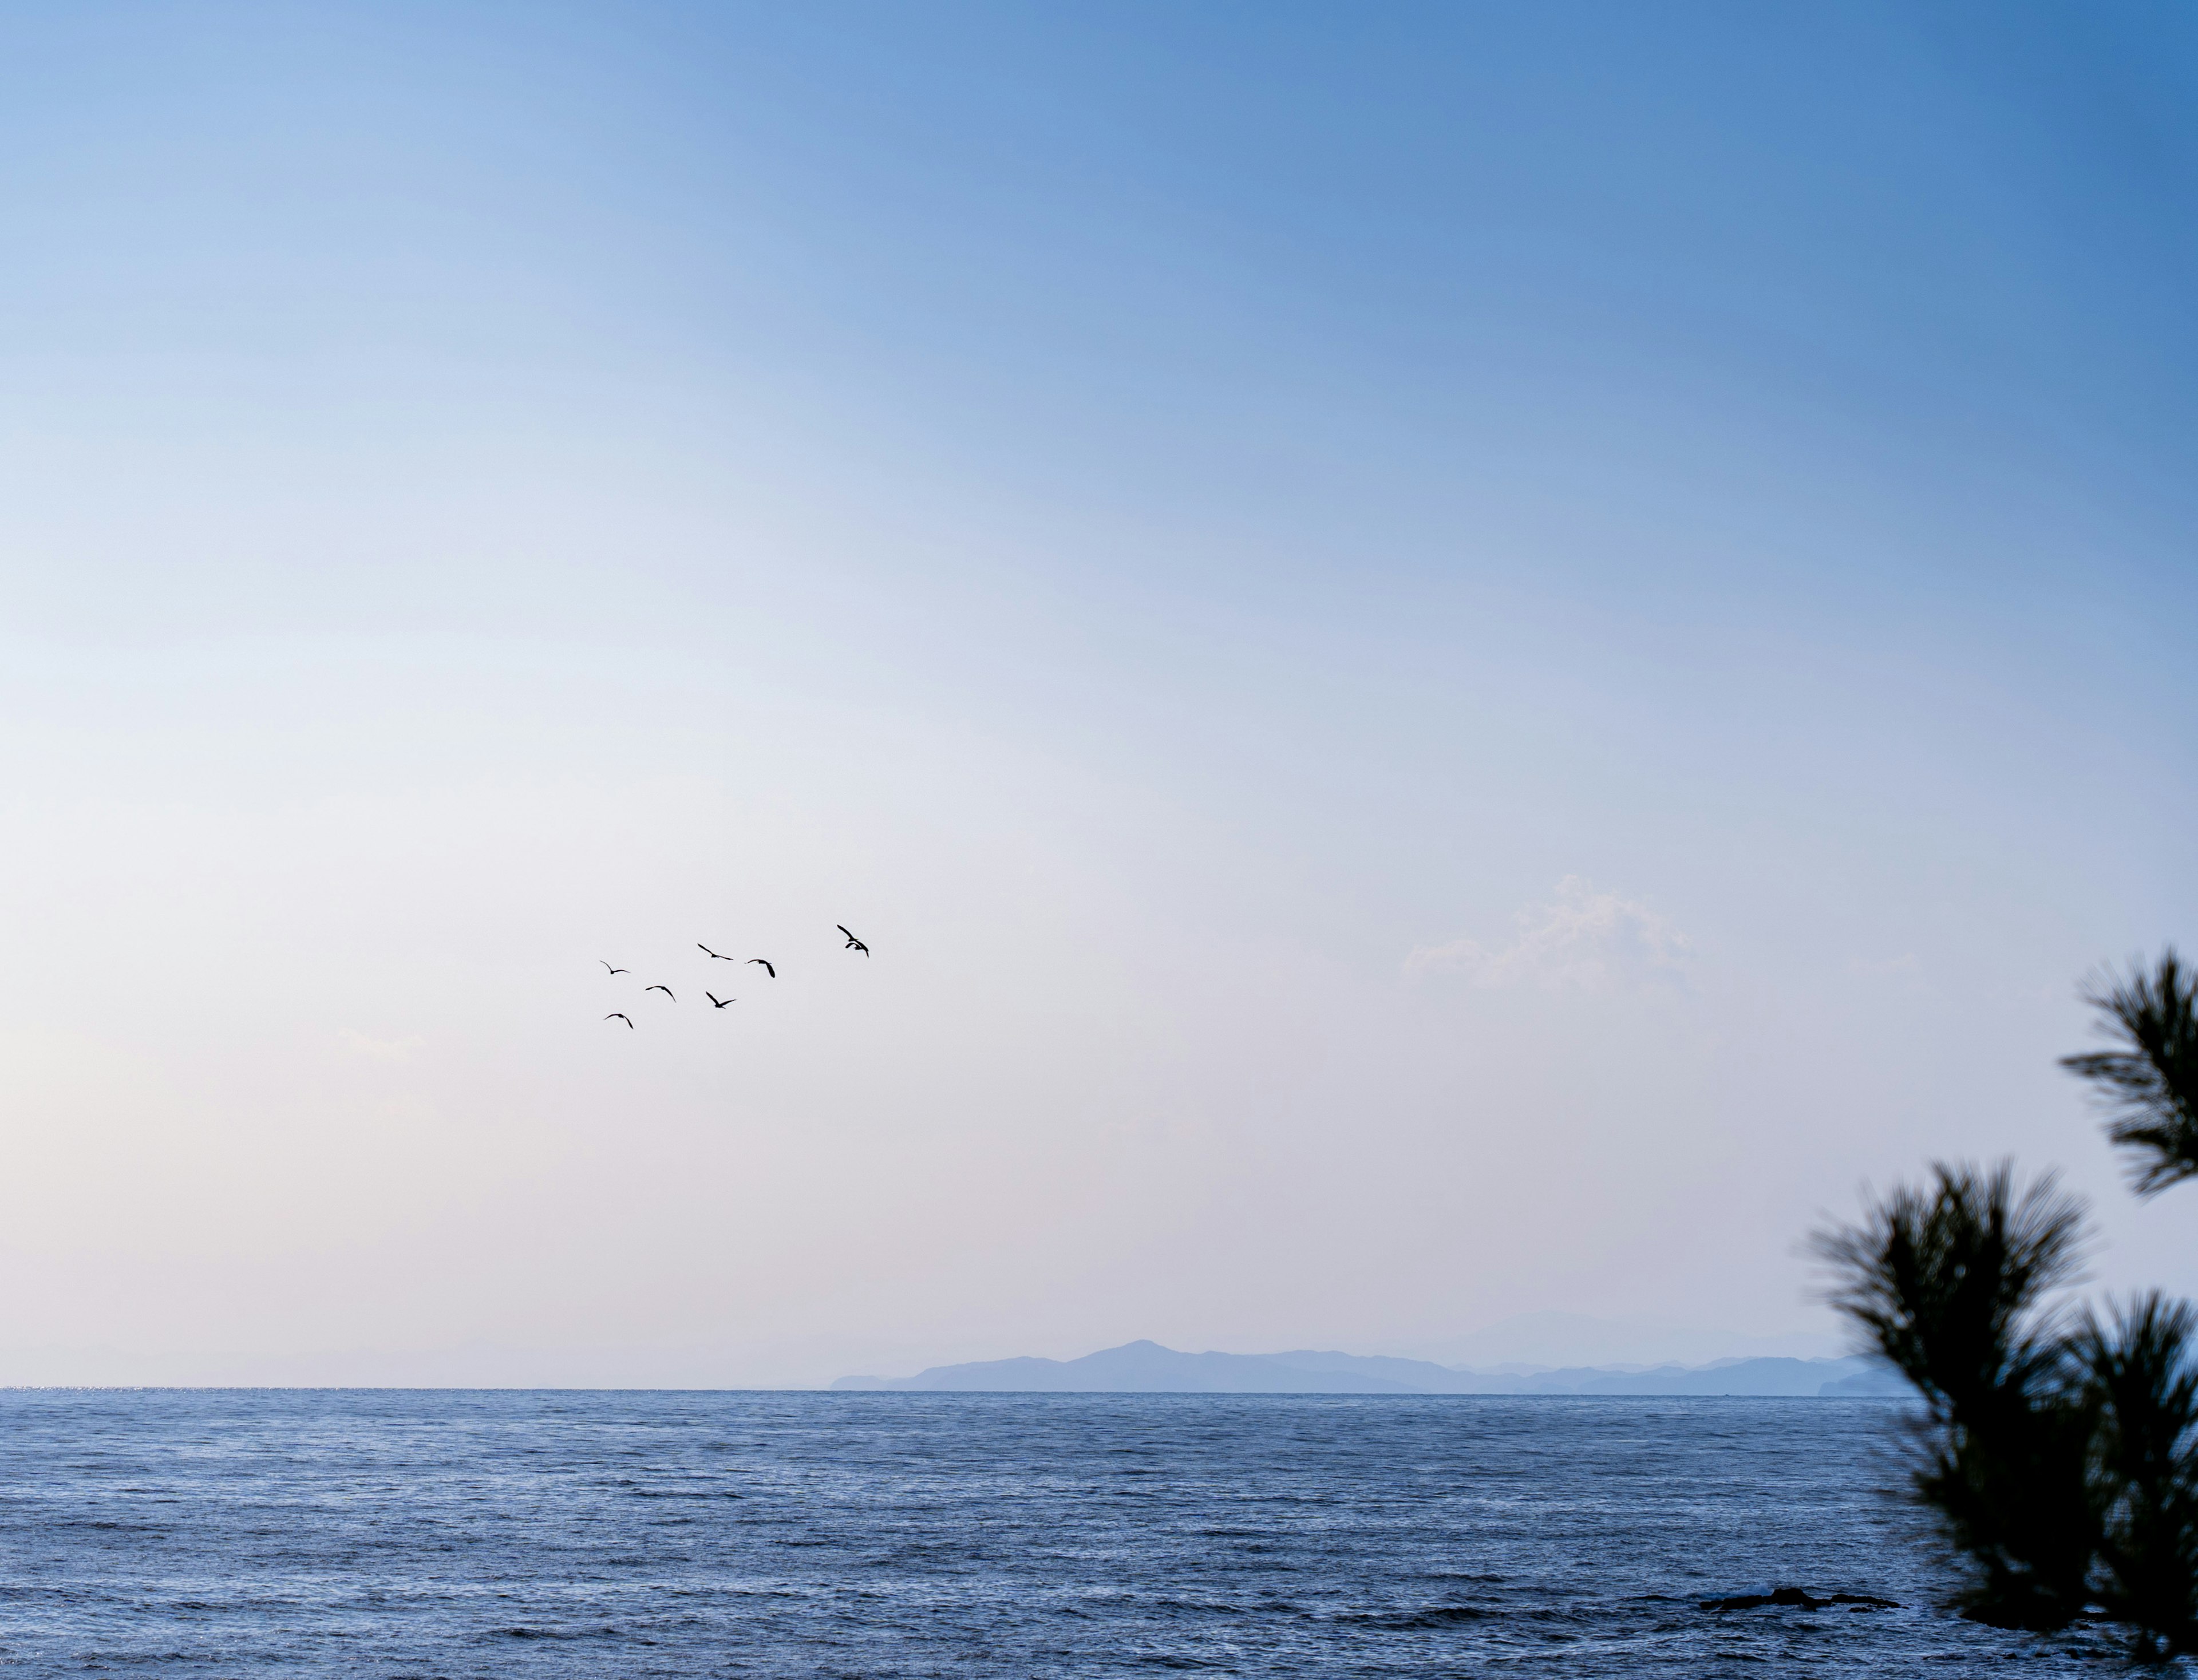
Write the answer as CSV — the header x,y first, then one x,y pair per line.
x,y
419,1534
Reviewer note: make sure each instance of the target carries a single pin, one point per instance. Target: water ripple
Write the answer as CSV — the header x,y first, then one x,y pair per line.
x,y
872,1535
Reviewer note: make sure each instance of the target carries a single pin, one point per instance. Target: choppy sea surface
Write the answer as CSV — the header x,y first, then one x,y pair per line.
x,y
367,1533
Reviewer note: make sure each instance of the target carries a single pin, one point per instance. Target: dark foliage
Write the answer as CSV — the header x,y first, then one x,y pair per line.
x,y
2138,1368
1949,1281
2062,1465
2149,1081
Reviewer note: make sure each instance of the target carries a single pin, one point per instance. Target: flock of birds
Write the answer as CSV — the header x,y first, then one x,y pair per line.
x,y
715,1002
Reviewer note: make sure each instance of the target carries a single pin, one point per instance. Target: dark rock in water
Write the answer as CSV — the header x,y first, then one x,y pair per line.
x,y
1794,1598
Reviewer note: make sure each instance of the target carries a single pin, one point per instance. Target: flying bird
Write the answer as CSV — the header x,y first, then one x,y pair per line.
x,y
853,943
706,951
767,968
665,990
615,1015
720,1001
614,970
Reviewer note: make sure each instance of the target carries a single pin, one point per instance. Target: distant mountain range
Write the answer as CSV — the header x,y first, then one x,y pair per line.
x,y
1547,1340
1147,1367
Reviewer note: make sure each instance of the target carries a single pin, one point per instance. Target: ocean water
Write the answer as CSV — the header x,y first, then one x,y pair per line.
x,y
366,1533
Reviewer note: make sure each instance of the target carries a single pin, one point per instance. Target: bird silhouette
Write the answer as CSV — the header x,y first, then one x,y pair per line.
x,y
614,970
615,1015
853,943
665,990
767,968
720,1001
706,951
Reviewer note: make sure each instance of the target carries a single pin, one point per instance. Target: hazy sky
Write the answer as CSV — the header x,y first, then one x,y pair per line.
x,y
1460,661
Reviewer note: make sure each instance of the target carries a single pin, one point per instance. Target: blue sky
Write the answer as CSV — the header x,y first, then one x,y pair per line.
x,y
1470,657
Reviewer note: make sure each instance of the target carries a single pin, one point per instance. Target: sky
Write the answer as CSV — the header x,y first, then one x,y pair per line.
x,y
1463,662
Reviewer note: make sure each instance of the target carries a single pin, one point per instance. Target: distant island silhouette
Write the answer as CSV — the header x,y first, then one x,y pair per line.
x,y
1147,1367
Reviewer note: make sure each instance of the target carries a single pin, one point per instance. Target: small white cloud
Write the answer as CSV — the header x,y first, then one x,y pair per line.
x,y
1586,939
378,1050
